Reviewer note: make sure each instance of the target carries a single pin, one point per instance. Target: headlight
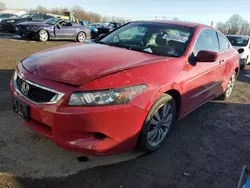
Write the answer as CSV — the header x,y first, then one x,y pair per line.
x,y
10,21
106,97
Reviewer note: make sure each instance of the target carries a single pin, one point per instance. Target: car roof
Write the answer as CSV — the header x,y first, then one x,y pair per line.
x,y
238,36
181,23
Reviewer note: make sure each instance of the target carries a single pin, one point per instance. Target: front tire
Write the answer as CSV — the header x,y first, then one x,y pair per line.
x,y
81,37
43,35
157,124
229,89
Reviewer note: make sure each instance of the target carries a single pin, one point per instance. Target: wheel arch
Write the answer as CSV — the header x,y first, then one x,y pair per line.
x,y
237,70
174,90
176,95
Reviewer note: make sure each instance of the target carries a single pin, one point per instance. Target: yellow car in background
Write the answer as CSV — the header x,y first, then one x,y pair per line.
x,y
64,17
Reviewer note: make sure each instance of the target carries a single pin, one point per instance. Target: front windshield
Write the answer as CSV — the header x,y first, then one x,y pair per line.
x,y
155,38
51,21
238,41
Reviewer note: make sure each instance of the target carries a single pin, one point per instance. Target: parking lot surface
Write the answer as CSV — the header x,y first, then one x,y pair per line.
x,y
208,148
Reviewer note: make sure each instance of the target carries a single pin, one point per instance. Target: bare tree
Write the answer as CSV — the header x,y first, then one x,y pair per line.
x,y
2,6
235,23
42,9
80,13
223,27
245,28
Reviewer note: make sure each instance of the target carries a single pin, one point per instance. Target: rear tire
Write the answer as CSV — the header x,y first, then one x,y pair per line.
x,y
81,37
157,124
229,89
43,35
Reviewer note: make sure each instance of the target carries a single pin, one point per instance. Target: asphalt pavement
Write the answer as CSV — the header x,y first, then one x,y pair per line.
x,y
208,148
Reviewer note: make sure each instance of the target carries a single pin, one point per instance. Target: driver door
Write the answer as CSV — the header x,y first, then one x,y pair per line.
x,y
203,79
64,30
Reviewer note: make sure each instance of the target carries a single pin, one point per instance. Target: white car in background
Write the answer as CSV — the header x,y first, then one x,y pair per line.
x,y
242,44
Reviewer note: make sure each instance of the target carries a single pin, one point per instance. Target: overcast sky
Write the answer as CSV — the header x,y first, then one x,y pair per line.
x,y
190,10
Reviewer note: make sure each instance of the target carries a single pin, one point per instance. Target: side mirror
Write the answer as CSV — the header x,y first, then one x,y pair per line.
x,y
241,50
206,56
59,27
29,18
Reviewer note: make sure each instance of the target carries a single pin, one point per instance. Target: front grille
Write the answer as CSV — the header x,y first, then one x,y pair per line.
x,y
35,93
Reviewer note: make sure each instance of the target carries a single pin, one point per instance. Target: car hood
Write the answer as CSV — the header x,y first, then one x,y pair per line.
x,y
80,63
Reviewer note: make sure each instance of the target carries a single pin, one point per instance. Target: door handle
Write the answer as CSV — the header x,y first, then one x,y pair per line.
x,y
221,61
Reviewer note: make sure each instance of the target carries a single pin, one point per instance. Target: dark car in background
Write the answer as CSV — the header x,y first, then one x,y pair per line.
x,y
7,16
54,28
95,29
10,25
111,26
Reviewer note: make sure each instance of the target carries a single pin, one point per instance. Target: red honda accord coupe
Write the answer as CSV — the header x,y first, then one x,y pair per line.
x,y
126,89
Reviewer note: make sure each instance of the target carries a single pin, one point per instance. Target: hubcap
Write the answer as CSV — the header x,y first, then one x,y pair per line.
x,y
43,35
230,85
81,37
160,124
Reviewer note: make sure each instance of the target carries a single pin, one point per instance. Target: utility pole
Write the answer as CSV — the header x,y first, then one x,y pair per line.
x,y
212,23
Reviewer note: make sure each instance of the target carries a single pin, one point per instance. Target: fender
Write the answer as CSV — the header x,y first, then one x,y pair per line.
x,y
168,87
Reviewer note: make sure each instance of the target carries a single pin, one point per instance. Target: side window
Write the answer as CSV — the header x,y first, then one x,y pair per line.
x,y
46,17
224,43
12,16
36,17
207,40
65,24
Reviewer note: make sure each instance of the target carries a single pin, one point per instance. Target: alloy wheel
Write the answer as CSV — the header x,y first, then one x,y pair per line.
x,y
230,85
160,124
81,37
43,35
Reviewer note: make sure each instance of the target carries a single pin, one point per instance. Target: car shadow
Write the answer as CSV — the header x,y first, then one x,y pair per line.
x,y
7,35
244,75
5,98
206,149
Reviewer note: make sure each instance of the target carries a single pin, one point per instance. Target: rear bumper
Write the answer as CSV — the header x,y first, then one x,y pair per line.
x,y
77,128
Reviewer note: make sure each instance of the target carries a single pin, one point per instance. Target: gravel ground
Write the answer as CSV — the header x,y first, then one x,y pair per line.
x,y
208,148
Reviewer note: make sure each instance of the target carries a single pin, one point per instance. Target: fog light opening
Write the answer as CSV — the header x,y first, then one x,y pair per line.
x,y
99,136
83,159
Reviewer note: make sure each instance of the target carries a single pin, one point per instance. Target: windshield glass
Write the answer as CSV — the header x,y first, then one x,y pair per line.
x,y
155,38
51,21
238,41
